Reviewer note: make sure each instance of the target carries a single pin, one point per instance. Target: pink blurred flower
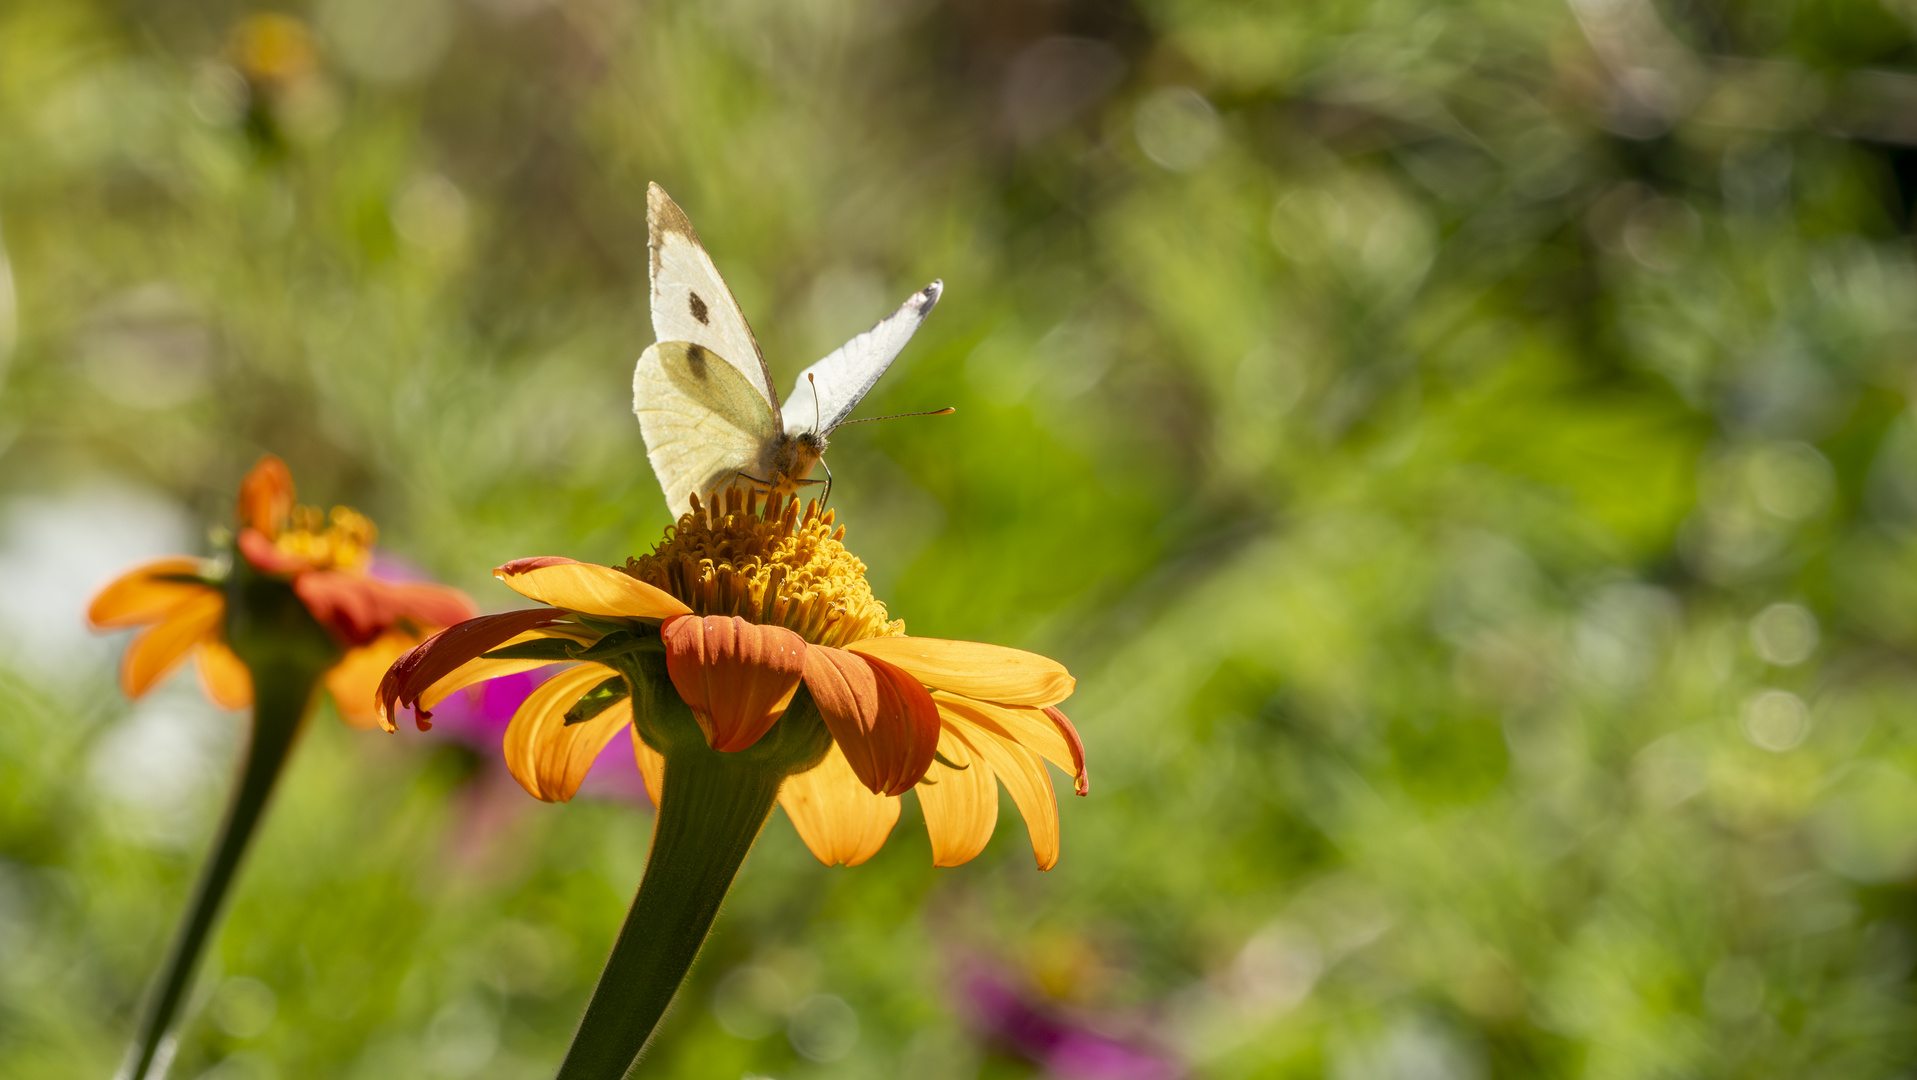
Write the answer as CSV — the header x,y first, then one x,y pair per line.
x,y
478,716
1065,1047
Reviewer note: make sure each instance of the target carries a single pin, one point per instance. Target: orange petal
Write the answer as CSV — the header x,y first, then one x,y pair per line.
x,y
1025,778
836,816
885,722
349,605
737,676
141,596
1041,730
358,609
160,649
413,675
266,496
354,681
223,676
960,802
588,588
975,669
652,765
547,756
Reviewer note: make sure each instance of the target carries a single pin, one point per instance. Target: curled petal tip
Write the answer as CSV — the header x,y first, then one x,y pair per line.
x,y
535,562
415,672
1081,782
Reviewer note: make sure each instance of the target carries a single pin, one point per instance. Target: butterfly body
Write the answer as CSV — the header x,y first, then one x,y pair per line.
x,y
703,393
794,458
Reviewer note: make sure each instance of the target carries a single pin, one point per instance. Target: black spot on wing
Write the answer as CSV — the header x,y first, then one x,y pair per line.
x,y
699,310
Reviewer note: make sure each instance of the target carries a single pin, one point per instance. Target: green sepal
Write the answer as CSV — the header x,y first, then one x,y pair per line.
x,y
191,579
538,649
598,700
619,644
605,625
947,762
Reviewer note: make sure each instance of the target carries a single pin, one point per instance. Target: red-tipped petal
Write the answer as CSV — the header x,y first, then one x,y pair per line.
x,y
1082,785
445,652
346,604
266,496
882,718
359,609
737,676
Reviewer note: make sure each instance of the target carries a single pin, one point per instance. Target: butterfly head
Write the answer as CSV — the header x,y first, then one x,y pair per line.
x,y
795,457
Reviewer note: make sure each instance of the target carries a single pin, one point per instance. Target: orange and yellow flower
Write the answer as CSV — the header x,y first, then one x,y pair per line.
x,y
749,603
183,601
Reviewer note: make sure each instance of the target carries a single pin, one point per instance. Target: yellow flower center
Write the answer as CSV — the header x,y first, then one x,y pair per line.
x,y
768,563
342,540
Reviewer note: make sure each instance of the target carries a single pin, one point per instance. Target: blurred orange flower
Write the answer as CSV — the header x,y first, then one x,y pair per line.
x,y
182,601
747,605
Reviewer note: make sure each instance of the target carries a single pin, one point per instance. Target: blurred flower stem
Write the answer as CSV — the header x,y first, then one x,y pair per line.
x,y
293,609
711,810
287,653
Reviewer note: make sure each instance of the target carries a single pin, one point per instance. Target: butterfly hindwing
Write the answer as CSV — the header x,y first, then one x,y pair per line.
x,y
702,421
691,303
829,390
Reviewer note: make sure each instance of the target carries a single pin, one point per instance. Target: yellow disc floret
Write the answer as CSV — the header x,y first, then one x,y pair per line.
x,y
342,540
768,562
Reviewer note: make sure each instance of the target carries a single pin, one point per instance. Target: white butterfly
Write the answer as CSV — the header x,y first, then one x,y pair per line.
x,y
703,393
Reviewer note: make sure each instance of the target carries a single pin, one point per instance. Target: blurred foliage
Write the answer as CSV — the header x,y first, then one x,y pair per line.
x,y
1462,449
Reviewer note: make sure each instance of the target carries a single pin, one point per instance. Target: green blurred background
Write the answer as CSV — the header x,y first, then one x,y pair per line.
x,y
1462,450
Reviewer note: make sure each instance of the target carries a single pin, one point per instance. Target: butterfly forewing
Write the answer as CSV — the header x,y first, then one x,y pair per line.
x,y
691,303
702,422
845,376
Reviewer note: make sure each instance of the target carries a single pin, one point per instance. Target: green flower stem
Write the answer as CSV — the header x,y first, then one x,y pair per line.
x,y
708,818
281,701
711,811
286,652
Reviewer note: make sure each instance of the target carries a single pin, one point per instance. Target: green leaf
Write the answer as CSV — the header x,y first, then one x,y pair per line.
x,y
598,700
619,645
604,625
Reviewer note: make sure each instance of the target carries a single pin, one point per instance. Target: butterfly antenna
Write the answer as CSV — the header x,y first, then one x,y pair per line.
x,y
947,411
814,380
